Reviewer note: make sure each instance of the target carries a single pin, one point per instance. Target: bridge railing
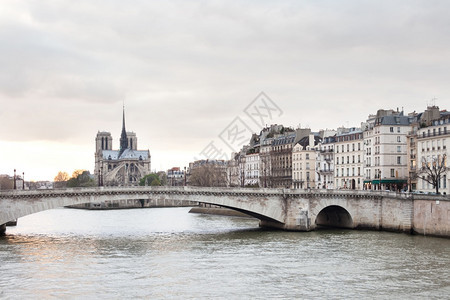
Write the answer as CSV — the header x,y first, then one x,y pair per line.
x,y
213,191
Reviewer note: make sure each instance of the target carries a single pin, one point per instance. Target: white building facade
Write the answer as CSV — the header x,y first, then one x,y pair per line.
x,y
349,159
433,143
385,148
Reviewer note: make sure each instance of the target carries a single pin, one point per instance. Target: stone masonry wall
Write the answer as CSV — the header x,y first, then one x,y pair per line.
x,y
432,217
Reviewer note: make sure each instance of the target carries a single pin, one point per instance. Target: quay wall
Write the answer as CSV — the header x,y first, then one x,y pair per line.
x,y
432,217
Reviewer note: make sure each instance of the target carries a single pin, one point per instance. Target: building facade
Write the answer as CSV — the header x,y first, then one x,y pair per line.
x,y
432,149
385,147
325,162
176,177
304,156
349,159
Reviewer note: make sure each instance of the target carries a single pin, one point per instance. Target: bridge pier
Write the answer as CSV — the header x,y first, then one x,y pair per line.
x,y
2,229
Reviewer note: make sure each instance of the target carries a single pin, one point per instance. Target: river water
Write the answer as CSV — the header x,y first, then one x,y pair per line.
x,y
167,253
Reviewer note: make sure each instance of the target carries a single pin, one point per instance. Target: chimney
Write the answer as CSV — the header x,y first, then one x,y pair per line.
x,y
311,141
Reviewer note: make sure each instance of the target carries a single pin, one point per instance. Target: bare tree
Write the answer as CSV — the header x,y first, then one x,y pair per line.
x,y
432,171
208,175
6,183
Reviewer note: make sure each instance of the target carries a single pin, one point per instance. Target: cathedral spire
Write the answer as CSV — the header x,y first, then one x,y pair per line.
x,y
123,136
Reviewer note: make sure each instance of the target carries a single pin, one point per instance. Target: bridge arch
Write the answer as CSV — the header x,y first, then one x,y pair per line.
x,y
263,205
333,212
334,216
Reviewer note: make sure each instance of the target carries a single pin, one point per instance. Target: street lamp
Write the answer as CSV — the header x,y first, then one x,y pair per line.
x,y
15,187
23,180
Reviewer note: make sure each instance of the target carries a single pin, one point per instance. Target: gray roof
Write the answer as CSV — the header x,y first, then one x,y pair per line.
x,y
127,154
394,120
284,139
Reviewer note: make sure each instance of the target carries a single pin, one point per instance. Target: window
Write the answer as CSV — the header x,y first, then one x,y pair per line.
x,y
391,129
353,147
348,172
348,159
359,171
359,158
399,160
398,139
399,148
342,148
337,172
398,129
359,146
348,147
392,172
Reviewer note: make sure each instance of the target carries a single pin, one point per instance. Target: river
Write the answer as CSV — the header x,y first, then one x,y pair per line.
x,y
167,253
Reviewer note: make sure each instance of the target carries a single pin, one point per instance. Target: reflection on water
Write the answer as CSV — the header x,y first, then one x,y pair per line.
x,y
168,253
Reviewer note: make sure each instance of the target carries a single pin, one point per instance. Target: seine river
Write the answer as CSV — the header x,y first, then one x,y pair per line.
x,y
169,253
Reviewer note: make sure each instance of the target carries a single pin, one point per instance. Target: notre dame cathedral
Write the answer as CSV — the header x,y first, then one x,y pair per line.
x,y
122,167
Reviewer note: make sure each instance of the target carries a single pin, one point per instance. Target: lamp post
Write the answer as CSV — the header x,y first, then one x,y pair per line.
x,y
184,176
23,180
15,187
101,175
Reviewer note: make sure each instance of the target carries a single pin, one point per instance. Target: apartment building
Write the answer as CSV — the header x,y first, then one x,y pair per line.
x,y
349,159
304,158
385,150
432,148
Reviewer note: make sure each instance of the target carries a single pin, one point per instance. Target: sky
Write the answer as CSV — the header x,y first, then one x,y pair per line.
x,y
188,71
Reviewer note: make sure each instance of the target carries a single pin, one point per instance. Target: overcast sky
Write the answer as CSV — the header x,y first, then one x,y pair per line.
x,y
187,69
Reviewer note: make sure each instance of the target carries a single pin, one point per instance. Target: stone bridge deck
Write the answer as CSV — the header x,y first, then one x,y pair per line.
x,y
287,209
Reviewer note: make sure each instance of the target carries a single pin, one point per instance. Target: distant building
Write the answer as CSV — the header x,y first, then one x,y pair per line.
x,y
304,158
349,159
385,148
122,167
175,177
325,162
251,169
432,148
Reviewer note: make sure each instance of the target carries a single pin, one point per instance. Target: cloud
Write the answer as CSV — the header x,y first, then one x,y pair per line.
x,y
187,69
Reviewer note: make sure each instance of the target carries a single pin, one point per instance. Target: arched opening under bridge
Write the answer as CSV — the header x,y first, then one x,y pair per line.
x,y
334,216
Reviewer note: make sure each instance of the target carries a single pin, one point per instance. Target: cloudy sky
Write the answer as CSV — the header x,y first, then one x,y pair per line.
x,y
187,69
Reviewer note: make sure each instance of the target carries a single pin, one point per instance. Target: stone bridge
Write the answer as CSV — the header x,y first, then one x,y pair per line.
x,y
296,210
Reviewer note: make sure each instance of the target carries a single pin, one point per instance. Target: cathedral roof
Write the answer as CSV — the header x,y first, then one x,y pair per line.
x,y
126,154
